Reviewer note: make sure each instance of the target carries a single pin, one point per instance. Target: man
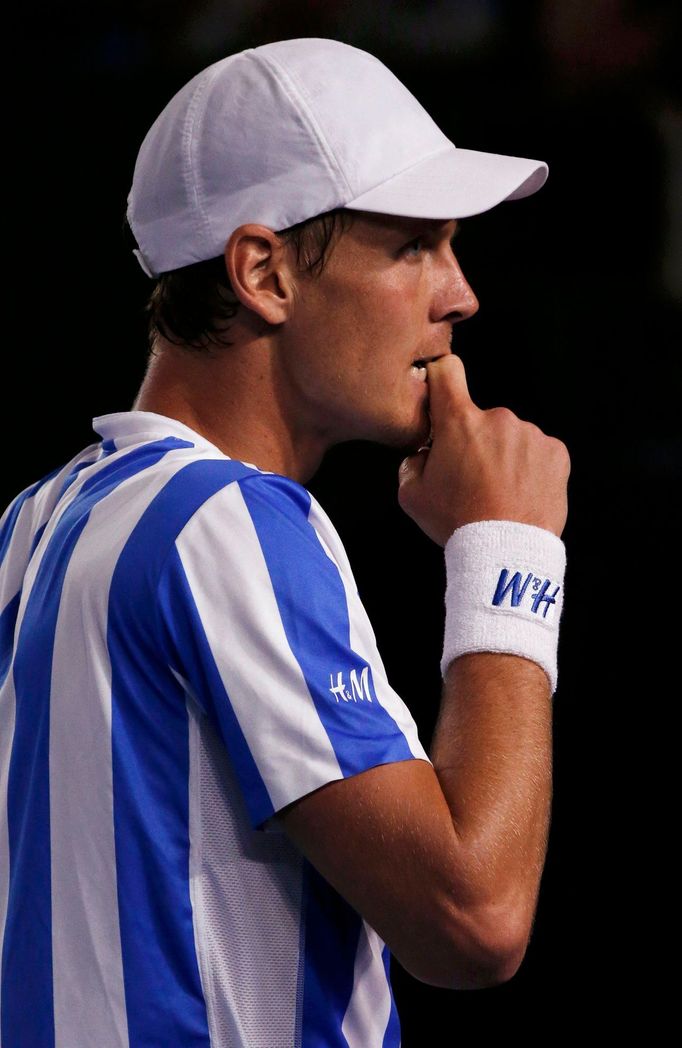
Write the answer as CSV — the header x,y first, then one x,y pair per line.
x,y
219,816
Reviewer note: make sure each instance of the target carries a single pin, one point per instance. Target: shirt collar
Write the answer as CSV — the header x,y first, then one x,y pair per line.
x,y
134,427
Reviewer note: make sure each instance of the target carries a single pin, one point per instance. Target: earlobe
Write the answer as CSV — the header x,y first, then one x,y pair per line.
x,y
258,271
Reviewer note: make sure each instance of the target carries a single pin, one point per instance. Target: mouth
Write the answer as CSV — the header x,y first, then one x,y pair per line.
x,y
418,367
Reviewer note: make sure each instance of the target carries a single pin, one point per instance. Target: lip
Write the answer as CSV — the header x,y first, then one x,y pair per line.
x,y
428,360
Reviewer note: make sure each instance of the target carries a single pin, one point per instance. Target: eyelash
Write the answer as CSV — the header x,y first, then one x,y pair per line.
x,y
417,240
421,240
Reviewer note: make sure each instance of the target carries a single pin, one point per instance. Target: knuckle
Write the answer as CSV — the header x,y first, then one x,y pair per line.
x,y
555,448
566,461
503,414
561,451
534,431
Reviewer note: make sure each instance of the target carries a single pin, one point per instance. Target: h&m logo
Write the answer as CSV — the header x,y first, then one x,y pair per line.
x,y
535,587
358,690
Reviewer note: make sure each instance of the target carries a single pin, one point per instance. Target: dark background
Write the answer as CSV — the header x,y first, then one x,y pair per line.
x,y
579,331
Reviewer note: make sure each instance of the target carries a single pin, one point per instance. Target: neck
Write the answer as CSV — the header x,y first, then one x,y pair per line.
x,y
234,398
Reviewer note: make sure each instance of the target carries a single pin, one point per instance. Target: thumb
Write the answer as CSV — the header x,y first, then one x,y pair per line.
x,y
447,385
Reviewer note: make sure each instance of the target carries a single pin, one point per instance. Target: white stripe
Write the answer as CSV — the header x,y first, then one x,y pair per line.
x,y
40,497
265,684
362,637
369,1008
34,511
89,994
201,922
246,891
49,512
7,722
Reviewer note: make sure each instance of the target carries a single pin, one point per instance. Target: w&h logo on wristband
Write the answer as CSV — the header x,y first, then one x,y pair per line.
x,y
530,594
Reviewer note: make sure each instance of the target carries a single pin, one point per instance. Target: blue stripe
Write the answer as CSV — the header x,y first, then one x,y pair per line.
x,y
107,447
312,603
150,611
8,616
36,539
150,753
190,654
7,530
392,1034
70,477
8,620
15,508
27,1011
332,934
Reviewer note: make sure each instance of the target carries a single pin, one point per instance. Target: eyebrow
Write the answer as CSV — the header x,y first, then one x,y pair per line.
x,y
392,229
432,225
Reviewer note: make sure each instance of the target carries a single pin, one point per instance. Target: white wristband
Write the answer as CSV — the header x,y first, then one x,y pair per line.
x,y
504,592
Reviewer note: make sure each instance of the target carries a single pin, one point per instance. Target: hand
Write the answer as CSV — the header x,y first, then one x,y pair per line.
x,y
482,464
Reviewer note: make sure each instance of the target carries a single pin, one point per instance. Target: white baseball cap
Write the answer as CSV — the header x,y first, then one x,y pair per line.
x,y
280,133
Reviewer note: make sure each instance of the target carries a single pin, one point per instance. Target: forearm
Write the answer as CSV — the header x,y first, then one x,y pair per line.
x,y
492,752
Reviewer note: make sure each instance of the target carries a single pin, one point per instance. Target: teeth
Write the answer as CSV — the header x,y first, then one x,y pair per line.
x,y
419,371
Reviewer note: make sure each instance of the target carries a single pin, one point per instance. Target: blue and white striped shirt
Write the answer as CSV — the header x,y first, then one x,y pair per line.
x,y
183,652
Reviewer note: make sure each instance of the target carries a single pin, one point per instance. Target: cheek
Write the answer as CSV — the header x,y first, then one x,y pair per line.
x,y
344,324
386,308
352,322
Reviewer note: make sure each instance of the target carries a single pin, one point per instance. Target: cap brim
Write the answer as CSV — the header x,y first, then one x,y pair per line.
x,y
455,183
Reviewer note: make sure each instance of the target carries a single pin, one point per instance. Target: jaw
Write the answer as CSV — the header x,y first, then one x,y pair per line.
x,y
412,434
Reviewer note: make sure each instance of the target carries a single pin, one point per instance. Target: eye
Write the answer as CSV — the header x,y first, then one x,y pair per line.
x,y
415,246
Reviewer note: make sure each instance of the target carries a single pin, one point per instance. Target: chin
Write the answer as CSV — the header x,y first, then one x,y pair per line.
x,y
408,438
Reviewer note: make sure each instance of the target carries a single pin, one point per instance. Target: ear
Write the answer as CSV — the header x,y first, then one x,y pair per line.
x,y
259,270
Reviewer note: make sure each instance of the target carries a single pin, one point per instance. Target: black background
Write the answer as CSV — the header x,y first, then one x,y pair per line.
x,y
578,331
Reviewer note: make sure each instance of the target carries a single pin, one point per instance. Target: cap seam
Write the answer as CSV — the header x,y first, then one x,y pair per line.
x,y
296,92
191,185
191,178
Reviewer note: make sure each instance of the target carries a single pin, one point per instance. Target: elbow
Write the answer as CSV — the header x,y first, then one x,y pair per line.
x,y
470,951
504,963
502,940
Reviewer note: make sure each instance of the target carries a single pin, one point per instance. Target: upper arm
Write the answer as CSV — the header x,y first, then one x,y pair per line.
x,y
265,624
268,629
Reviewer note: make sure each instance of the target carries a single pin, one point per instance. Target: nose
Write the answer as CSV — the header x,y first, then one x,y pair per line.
x,y
454,299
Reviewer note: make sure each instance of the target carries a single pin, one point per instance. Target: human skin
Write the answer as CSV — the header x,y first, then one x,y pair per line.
x,y
318,361
452,853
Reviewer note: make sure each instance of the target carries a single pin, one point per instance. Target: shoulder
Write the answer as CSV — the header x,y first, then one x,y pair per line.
x,y
30,509
235,503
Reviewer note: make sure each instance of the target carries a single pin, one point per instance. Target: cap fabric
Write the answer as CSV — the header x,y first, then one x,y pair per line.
x,y
280,133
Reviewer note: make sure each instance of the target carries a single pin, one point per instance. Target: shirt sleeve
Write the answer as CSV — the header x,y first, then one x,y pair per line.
x,y
267,627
